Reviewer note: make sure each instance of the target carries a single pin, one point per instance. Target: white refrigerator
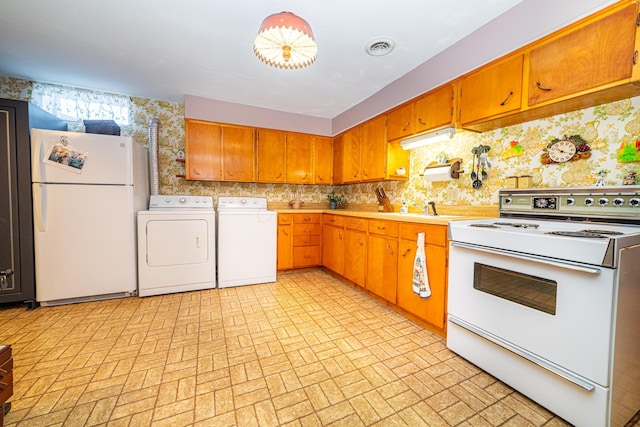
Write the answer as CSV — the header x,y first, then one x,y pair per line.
x,y
87,190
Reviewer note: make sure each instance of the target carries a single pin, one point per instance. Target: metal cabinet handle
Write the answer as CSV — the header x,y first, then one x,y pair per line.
x,y
389,249
320,178
360,242
406,126
340,235
381,227
285,232
508,98
539,86
406,252
421,121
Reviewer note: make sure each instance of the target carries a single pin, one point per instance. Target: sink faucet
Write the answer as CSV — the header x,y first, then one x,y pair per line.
x,y
425,208
433,208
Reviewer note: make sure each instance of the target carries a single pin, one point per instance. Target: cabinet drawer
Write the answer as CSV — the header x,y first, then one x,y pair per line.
x,y
6,388
311,240
306,229
5,354
285,219
306,256
306,218
356,223
5,368
335,220
384,228
434,234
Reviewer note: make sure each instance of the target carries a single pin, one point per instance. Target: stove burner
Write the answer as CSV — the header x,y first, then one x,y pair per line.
x,y
607,232
517,224
584,234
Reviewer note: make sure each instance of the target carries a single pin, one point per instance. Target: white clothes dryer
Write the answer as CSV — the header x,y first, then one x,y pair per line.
x,y
176,245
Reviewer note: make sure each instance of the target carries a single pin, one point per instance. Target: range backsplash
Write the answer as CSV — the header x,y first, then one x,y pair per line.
x,y
515,151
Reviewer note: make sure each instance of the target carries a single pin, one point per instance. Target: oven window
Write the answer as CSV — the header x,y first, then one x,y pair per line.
x,y
530,291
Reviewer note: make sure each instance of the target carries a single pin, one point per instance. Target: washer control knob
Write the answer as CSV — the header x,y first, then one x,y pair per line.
x,y
571,201
182,200
167,200
635,202
618,201
508,200
603,201
243,201
588,201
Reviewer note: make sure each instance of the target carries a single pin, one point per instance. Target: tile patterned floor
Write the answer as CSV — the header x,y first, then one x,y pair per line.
x,y
305,351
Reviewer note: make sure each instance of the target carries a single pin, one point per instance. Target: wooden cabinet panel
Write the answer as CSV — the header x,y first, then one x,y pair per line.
x,y
382,266
333,248
593,55
374,150
493,90
237,154
338,159
435,109
271,155
299,158
384,228
322,160
355,255
285,247
307,230
434,234
432,309
307,218
351,160
400,122
203,159
306,256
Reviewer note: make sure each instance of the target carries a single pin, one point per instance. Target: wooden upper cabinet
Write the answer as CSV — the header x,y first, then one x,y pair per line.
x,y
299,158
374,150
338,159
400,122
351,160
435,109
238,154
492,90
203,159
598,53
271,155
322,160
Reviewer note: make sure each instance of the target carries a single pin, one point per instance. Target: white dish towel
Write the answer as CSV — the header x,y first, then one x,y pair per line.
x,y
420,275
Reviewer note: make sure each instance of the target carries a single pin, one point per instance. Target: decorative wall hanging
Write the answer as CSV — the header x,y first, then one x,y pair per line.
x,y
567,149
480,164
514,150
629,152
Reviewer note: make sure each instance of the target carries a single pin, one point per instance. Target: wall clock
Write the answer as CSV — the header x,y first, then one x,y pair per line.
x,y
562,151
569,148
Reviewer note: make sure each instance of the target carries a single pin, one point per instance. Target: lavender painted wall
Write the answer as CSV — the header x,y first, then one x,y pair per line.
x,y
524,23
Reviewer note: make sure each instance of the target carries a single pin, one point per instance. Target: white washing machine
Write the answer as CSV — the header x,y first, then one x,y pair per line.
x,y
176,245
247,236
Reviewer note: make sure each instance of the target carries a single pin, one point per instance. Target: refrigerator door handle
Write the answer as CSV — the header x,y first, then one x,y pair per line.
x,y
36,155
40,206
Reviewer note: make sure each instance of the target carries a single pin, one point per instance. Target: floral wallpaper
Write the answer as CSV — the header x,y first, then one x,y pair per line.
x,y
611,131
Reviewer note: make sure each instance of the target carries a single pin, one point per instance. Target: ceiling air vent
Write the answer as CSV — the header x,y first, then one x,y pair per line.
x,y
379,47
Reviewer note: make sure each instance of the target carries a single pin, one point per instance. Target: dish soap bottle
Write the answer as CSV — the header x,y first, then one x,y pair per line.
x,y
404,209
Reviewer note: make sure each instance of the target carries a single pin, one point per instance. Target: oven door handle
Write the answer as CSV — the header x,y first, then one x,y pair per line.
x,y
533,358
495,251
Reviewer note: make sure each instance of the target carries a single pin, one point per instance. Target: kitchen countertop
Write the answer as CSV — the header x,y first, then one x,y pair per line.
x,y
443,219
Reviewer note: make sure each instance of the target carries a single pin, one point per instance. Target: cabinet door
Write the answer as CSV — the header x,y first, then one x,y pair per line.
x,y
333,248
338,159
351,171
299,157
492,90
591,56
430,309
322,160
285,246
203,159
271,155
237,154
374,150
400,122
355,256
435,109
382,266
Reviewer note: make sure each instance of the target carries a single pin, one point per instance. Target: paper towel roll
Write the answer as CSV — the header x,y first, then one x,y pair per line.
x,y
439,173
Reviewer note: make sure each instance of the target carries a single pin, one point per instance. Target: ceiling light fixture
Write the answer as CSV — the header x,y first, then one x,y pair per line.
x,y
428,138
285,41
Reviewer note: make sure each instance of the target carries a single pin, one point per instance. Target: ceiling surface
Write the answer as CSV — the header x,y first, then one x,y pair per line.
x,y
163,50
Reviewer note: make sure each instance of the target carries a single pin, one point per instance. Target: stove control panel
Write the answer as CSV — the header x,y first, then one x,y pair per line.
x,y
623,201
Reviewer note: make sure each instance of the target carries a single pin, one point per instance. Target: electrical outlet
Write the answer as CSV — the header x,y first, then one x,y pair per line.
x,y
452,194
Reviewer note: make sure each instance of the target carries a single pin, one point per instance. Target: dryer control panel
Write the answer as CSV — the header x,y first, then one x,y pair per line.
x,y
162,202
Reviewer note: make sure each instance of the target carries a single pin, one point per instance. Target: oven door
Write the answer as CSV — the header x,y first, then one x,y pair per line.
x,y
557,315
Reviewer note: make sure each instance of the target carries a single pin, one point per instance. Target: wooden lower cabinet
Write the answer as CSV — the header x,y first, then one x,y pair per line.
x,y
382,259
333,248
6,378
432,309
355,250
307,234
285,242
